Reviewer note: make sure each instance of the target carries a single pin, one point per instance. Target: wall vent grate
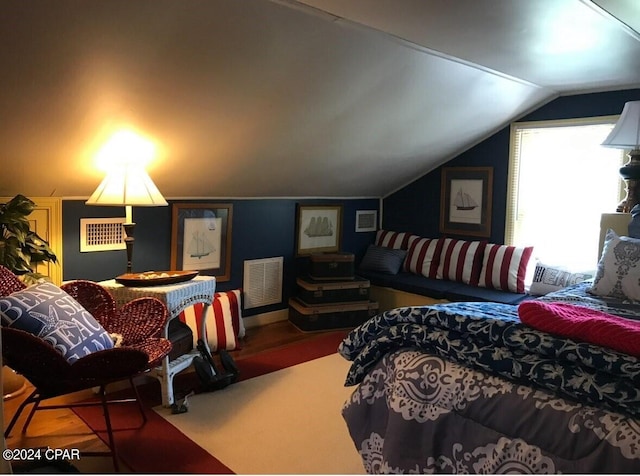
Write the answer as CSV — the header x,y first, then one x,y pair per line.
x,y
262,282
102,234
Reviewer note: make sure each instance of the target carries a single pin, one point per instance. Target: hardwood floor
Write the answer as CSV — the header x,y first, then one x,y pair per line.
x,y
62,429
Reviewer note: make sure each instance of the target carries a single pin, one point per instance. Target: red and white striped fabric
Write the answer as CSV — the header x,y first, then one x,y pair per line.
x,y
461,261
224,321
505,267
422,257
394,239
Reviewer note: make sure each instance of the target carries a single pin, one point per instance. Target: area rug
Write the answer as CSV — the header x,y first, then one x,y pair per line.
x,y
286,422
160,447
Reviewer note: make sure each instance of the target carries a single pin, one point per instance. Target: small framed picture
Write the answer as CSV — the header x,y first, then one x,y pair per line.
x,y
366,220
318,229
465,202
201,238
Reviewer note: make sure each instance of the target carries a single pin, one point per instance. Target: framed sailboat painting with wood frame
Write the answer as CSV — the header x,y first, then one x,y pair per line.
x,y
318,229
465,202
201,238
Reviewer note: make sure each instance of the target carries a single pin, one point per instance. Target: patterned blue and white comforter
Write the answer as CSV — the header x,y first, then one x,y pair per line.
x,y
490,337
466,387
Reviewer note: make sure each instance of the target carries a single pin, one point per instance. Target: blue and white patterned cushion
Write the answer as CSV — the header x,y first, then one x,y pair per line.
x,y
382,260
618,273
47,311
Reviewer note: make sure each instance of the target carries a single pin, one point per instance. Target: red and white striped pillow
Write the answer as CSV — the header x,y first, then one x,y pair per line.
x,y
422,257
505,267
224,324
394,239
461,260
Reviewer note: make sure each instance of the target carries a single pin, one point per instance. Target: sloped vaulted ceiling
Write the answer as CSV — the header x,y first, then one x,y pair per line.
x,y
262,98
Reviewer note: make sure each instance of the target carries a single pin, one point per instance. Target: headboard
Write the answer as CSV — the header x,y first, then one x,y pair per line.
x,y
618,222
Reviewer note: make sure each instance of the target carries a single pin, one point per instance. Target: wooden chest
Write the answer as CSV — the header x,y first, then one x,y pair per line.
x,y
331,266
313,292
333,316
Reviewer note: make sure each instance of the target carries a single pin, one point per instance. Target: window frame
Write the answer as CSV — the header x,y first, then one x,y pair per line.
x,y
514,163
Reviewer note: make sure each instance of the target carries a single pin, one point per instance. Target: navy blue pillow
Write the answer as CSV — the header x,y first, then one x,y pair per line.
x,y
382,260
47,311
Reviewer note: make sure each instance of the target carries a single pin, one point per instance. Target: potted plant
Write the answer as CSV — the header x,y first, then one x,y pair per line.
x,y
21,249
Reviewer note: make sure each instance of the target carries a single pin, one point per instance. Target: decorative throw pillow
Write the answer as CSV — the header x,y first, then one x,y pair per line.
x,y
618,273
422,257
382,260
394,239
547,279
505,267
461,261
48,312
224,323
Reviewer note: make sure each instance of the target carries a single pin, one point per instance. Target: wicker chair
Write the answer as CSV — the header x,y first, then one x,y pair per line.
x,y
140,322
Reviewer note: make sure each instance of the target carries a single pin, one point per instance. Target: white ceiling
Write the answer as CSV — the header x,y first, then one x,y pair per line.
x,y
282,98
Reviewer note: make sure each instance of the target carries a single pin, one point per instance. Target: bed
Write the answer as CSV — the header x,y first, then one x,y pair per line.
x,y
471,388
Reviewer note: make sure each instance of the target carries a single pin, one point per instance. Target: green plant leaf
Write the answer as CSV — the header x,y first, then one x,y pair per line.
x,y
20,247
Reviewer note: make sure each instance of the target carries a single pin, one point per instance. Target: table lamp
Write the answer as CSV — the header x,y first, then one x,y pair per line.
x,y
128,185
626,135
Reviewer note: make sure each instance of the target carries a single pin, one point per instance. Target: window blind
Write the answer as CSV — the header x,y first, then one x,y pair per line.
x,y
560,182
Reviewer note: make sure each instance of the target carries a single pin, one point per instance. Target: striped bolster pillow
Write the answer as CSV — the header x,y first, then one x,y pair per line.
x,y
224,323
422,257
394,239
505,267
461,261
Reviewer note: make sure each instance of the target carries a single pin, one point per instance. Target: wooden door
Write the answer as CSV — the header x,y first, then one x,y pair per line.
x,y
46,221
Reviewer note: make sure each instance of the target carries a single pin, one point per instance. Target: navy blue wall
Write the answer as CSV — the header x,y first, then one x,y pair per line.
x,y
260,229
264,228
416,207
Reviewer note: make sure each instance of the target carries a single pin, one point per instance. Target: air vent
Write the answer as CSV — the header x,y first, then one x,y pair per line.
x,y
262,282
102,234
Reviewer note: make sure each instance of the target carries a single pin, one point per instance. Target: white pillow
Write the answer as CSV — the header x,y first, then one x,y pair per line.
x,y
618,273
547,279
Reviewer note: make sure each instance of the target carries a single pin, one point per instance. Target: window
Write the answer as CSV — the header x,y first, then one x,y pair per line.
x,y
560,181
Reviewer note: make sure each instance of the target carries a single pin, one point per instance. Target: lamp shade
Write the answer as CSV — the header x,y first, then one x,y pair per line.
x,y
127,185
626,133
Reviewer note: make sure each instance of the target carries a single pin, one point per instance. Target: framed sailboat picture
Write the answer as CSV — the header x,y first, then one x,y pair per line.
x,y
201,238
319,229
465,202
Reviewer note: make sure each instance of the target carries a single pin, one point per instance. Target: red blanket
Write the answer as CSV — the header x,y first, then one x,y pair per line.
x,y
584,324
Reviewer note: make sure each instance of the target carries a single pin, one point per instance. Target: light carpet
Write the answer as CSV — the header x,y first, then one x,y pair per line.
x,y
284,422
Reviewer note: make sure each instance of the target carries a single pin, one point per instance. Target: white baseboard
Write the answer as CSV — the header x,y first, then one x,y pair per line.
x,y
266,318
